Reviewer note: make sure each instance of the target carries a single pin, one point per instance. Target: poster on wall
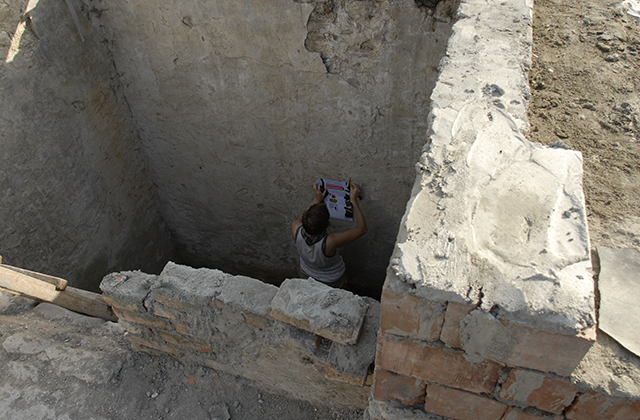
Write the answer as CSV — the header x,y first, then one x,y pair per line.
x,y
338,198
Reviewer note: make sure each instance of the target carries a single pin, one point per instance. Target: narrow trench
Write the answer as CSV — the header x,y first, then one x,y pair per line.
x,y
376,107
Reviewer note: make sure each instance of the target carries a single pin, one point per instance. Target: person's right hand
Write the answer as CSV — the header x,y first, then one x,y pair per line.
x,y
318,192
354,191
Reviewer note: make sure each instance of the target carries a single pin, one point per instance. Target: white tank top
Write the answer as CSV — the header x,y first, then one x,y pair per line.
x,y
315,263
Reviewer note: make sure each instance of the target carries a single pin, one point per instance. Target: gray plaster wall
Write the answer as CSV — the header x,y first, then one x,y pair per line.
x,y
77,200
241,105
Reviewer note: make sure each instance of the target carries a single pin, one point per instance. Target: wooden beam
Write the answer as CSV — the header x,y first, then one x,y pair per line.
x,y
60,284
76,300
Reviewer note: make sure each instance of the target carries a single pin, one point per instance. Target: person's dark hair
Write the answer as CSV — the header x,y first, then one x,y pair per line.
x,y
316,219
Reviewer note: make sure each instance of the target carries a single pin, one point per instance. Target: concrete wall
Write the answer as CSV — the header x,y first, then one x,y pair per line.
x,y
241,105
224,322
77,201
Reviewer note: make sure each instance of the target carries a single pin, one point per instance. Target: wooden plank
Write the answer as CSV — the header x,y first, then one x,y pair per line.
x,y
76,300
60,284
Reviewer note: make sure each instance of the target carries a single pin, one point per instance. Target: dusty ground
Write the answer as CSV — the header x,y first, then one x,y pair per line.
x,y
60,365
585,82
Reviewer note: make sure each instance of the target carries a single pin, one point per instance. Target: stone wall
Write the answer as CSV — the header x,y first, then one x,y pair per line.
x,y
77,200
304,339
241,105
488,308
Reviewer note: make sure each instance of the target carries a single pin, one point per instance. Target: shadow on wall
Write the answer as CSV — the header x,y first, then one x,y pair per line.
x,y
311,97
78,201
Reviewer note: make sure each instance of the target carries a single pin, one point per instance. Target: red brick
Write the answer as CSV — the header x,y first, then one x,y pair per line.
x,y
175,303
152,345
538,390
513,414
411,316
332,375
149,321
161,312
596,406
451,328
435,364
461,405
121,304
257,320
181,341
549,352
389,386
518,345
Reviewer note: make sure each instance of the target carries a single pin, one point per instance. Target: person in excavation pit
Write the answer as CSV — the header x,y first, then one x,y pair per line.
x,y
319,257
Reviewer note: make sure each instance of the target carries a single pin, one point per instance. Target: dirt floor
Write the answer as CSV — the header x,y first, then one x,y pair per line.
x,y
60,365
585,84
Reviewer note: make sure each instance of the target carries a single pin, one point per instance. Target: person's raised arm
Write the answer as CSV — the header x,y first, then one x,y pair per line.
x,y
336,240
318,197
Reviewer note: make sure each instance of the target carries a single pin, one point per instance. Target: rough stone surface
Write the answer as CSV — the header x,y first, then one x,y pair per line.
x,y
238,114
331,313
190,285
77,200
619,285
494,219
127,290
355,360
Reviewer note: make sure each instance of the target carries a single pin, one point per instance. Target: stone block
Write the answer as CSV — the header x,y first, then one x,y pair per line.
x,y
404,314
181,341
351,363
388,386
518,345
246,294
331,313
461,405
548,393
195,286
435,363
454,314
142,319
596,406
127,290
619,290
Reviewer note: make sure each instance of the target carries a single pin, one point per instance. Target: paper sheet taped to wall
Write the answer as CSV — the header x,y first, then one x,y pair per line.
x,y
338,199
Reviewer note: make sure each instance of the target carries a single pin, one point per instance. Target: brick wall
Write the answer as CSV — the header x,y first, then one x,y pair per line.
x,y
428,369
425,373
488,308
223,322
